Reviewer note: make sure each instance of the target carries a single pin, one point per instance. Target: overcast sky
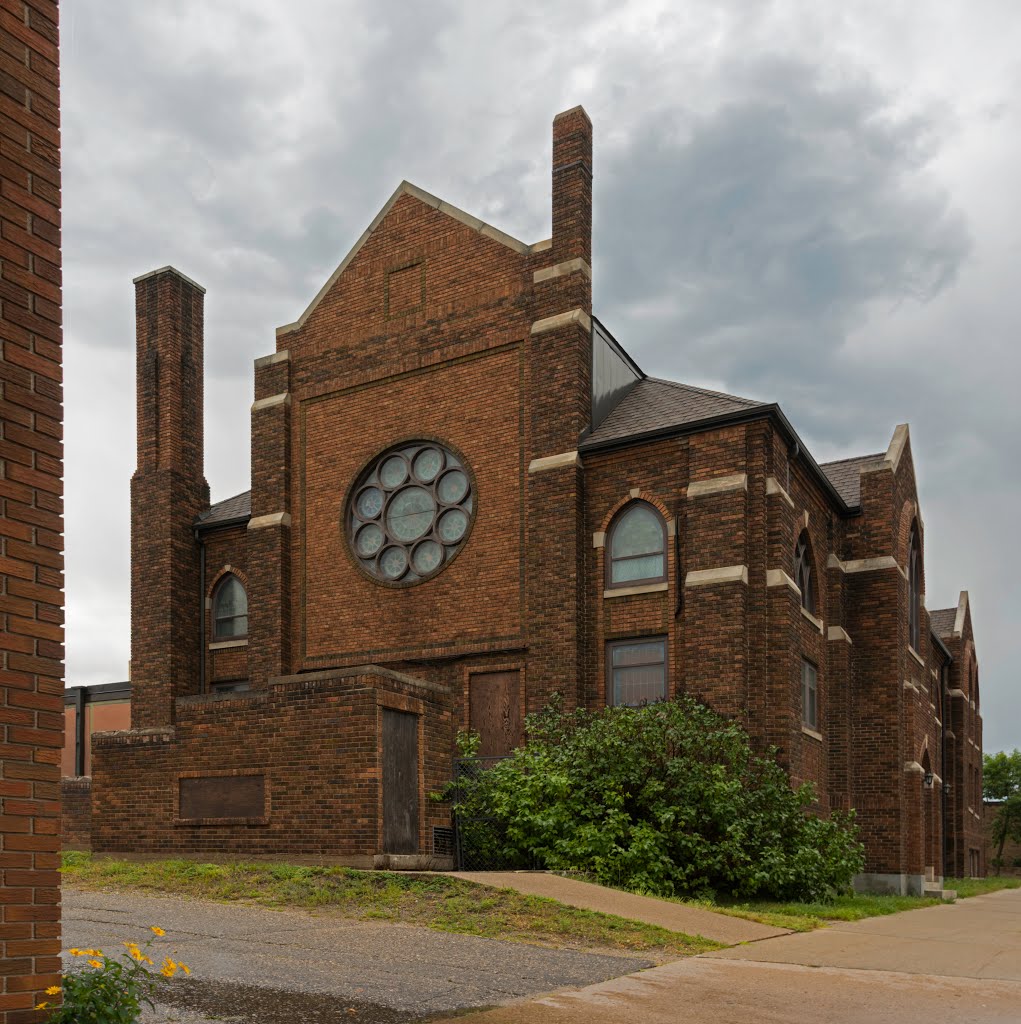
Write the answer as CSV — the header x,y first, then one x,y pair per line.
x,y
810,202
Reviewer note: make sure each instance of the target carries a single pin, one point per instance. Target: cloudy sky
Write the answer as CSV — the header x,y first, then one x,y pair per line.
x,y
815,203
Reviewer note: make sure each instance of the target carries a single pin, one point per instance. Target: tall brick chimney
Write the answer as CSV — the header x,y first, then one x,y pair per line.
x,y
168,489
572,186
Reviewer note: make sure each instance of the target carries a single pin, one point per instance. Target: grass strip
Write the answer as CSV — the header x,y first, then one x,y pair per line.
x,y
434,901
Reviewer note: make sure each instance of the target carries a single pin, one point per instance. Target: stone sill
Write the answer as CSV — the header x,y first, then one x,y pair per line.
x,y
914,654
225,645
647,588
809,617
221,821
812,732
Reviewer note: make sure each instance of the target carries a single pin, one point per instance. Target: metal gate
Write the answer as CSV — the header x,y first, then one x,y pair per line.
x,y
479,840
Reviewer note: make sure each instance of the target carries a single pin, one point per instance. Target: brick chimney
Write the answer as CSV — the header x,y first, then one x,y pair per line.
x,y
168,490
572,186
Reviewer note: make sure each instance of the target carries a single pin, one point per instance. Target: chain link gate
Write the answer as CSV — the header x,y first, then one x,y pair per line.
x,y
480,841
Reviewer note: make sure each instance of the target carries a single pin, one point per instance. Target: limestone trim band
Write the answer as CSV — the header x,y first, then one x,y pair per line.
x,y
274,357
553,323
646,588
284,399
575,266
778,578
866,564
837,633
773,486
274,519
718,485
724,574
554,462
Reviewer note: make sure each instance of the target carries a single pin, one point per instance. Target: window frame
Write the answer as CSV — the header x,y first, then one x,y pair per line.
x,y
915,590
215,619
608,549
806,723
633,641
804,572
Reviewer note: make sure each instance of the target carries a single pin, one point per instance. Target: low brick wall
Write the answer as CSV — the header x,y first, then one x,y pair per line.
x,y
76,813
291,770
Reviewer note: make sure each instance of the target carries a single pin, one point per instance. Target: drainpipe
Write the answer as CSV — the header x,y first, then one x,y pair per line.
x,y
200,540
943,673
79,731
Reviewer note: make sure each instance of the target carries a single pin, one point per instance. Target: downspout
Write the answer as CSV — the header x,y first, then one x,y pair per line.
x,y
945,784
79,731
200,540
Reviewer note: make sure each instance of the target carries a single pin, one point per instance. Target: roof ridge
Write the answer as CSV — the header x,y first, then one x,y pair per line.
x,y
853,458
750,402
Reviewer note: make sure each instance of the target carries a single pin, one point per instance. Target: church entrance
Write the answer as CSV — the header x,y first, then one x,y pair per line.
x,y
400,782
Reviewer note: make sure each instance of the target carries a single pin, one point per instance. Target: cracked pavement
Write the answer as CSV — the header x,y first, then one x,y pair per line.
x,y
256,964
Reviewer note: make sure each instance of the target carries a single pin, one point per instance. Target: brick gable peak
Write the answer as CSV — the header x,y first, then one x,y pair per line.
x,y
406,188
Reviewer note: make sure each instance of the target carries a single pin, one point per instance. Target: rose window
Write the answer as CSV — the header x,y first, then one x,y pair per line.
x,y
410,512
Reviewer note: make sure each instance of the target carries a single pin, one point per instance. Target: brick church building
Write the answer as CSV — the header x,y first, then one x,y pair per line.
x,y
466,497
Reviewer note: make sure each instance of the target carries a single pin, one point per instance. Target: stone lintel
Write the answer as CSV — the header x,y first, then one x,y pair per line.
x,y
837,633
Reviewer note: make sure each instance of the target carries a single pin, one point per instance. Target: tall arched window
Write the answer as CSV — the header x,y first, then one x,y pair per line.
x,y
915,590
230,609
637,547
804,574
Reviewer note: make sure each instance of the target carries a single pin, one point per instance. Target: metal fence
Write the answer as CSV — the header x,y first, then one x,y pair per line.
x,y
480,842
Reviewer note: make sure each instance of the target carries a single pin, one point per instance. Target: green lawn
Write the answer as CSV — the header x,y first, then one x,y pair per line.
x,y
435,901
803,917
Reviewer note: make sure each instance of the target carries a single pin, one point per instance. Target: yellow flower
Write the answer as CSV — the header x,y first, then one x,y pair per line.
x,y
147,960
74,951
168,970
130,945
41,1006
92,952
157,930
137,954
184,967
96,963
53,990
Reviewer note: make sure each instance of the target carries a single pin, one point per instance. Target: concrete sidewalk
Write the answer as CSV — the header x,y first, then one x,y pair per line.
x,y
677,917
959,962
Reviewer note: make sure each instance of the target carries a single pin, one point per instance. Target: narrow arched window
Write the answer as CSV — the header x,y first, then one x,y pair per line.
x,y
230,609
804,573
637,548
914,590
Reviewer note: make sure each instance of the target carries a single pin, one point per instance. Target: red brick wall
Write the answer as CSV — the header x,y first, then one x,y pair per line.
x,y
31,560
76,813
316,740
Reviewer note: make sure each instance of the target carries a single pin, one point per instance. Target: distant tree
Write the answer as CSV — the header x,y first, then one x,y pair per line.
x,y
1001,782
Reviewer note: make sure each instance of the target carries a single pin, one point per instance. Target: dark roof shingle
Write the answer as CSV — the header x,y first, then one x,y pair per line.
x,y
845,475
941,621
226,511
654,404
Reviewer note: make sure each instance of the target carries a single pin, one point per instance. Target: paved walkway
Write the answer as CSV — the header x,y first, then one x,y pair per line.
x,y
251,965
954,963
678,917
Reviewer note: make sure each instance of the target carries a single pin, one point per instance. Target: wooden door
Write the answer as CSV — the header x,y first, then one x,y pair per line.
x,y
400,782
494,704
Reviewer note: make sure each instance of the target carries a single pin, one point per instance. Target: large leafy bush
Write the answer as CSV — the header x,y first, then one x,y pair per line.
x,y
666,799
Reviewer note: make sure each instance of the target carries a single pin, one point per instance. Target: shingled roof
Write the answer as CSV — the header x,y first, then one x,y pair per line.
x,y
941,621
229,510
654,404
845,475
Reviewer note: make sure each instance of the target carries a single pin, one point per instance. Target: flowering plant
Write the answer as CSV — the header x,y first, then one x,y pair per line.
x,y
111,989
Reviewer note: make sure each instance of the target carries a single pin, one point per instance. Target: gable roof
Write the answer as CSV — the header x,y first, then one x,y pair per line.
x,y
941,621
403,189
845,475
237,509
653,404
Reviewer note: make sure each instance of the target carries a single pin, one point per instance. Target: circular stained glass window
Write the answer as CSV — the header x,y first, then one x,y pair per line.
x,y
410,512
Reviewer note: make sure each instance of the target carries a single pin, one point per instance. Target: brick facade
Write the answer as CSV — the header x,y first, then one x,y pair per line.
x,y
439,328
31,527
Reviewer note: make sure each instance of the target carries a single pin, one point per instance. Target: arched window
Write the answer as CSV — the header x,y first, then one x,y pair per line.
x,y
804,574
915,590
230,609
637,548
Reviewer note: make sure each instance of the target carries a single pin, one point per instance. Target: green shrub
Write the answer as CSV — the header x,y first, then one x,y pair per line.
x,y
111,989
666,799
